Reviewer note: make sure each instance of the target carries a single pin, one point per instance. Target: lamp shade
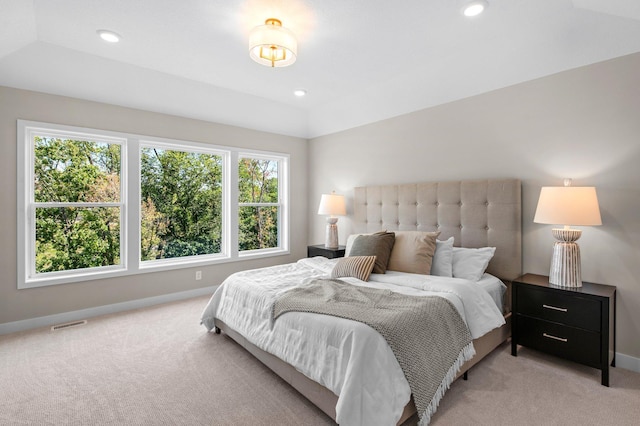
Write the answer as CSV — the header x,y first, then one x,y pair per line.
x,y
568,205
332,205
273,45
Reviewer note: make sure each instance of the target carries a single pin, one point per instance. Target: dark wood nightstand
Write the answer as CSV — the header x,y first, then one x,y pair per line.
x,y
574,323
321,250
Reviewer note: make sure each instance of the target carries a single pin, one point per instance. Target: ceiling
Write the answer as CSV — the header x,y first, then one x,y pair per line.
x,y
360,60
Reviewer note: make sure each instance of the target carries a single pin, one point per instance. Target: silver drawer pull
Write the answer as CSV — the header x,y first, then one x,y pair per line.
x,y
555,308
554,337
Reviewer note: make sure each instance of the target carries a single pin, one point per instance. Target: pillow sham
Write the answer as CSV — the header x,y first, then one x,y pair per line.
x,y
359,267
442,264
378,244
413,252
470,263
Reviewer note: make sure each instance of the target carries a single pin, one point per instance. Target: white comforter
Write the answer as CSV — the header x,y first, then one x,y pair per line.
x,y
347,357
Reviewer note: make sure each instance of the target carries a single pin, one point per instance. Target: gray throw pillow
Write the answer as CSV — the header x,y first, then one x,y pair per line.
x,y
378,245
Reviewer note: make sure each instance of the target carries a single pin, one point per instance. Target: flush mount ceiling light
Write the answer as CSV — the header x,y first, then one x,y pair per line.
x,y
475,8
109,36
273,45
300,92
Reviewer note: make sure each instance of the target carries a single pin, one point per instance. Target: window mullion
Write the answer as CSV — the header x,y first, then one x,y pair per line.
x,y
259,204
131,212
283,200
233,219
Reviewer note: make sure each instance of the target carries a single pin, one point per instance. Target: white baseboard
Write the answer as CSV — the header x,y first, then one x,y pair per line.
x,y
627,362
28,324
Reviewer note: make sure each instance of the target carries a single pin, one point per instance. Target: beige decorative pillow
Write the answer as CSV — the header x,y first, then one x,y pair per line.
x,y
359,267
378,245
413,252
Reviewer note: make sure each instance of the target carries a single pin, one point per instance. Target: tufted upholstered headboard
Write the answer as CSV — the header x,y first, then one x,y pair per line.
x,y
477,213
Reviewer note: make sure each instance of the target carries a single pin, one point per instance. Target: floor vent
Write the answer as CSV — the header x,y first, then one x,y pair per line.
x,y
67,325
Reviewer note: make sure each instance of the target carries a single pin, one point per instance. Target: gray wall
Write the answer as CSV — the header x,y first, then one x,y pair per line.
x,y
583,124
16,104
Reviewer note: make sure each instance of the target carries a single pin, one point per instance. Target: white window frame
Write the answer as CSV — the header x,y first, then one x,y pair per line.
x,y
130,262
199,149
282,204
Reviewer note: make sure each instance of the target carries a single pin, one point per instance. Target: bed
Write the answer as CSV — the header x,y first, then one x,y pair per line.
x,y
309,350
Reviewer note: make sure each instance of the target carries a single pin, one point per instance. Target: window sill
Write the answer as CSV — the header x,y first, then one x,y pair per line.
x,y
114,272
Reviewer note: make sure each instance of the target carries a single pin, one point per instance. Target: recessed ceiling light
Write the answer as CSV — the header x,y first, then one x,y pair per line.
x,y
299,92
109,36
475,8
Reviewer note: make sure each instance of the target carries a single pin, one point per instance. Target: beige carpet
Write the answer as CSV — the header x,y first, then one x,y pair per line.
x,y
158,366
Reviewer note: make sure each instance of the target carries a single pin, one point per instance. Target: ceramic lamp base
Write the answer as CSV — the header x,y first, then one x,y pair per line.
x,y
565,262
331,237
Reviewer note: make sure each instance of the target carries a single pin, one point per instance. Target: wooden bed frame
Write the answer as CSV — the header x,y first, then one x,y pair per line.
x,y
477,213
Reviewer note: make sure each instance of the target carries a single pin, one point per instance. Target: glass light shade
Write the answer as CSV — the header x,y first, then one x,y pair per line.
x,y
568,205
272,44
332,205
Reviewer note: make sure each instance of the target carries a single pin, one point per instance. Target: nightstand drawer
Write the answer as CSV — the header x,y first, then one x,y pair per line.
x,y
561,307
556,339
321,250
574,323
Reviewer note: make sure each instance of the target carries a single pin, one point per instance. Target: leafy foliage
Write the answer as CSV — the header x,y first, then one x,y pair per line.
x,y
181,203
258,183
70,171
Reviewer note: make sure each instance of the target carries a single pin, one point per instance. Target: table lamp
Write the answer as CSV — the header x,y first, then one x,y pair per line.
x,y
567,205
332,205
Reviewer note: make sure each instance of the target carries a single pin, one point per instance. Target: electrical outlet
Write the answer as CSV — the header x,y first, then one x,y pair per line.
x,y
198,275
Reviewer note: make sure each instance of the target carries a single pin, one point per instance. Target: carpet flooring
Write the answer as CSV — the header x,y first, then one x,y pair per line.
x,y
158,366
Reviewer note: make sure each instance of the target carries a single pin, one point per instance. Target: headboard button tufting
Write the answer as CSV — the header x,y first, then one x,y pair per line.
x,y
454,201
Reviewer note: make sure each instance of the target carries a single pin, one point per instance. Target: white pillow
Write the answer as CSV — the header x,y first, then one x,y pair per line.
x,y
470,263
442,264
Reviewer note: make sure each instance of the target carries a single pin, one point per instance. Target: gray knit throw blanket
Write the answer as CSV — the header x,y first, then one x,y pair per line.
x,y
426,334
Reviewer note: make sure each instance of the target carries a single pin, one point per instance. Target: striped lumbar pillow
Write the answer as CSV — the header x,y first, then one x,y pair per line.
x,y
359,267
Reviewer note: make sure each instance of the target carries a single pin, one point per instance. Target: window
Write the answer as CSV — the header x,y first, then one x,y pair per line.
x,y
259,206
180,203
75,202
78,218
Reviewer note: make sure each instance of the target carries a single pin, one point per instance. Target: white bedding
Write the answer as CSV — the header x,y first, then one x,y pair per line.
x,y
335,352
495,287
